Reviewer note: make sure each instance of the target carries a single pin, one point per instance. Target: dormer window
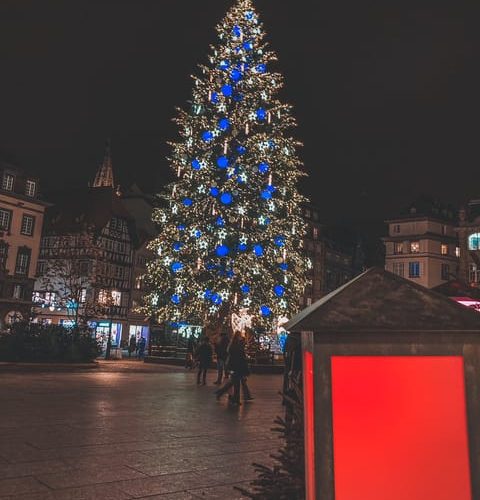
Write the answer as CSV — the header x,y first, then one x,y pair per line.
x,y
30,188
7,183
474,241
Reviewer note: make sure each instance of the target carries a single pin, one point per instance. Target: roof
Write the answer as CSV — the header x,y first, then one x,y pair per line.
x,y
378,300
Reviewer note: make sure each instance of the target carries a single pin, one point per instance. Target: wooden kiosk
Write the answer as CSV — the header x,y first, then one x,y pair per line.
x,y
391,375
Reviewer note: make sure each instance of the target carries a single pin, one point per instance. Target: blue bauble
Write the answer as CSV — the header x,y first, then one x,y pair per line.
x,y
249,16
214,191
265,311
177,246
245,289
279,241
241,150
261,114
220,222
238,97
181,227
279,290
222,251
237,31
224,65
176,267
216,299
227,90
226,198
283,266
263,168
214,98
240,180
266,194
175,299
196,164
258,250
271,188
188,202
230,274
242,247
261,68
207,136
236,75
222,162
208,294
198,234
248,45
224,124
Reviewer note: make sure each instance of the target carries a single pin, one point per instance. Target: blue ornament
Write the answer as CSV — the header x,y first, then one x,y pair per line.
x,y
198,233
238,97
230,274
220,222
211,266
226,198
265,310
176,266
279,241
261,68
240,180
265,221
258,250
224,124
175,299
216,299
241,150
242,247
266,194
207,136
208,294
188,202
214,191
248,45
263,168
245,289
222,162
283,266
214,98
236,75
196,164
227,90
249,16
181,227
237,31
271,144
224,65
177,246
279,290
261,114
271,188
222,251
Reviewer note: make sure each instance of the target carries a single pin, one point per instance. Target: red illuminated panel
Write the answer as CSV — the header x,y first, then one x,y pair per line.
x,y
400,428
309,425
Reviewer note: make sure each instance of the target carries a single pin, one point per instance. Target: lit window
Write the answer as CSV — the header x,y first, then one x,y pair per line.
x,y
116,298
473,274
28,223
50,297
103,296
5,216
30,188
83,295
445,272
399,269
7,183
414,269
444,249
415,247
474,241
398,248
457,251
138,282
37,298
17,292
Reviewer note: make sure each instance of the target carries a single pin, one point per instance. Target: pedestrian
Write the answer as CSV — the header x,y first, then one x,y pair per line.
x,y
132,346
142,344
221,350
204,355
191,346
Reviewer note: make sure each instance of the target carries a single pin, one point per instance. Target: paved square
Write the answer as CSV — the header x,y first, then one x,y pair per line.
x,y
121,433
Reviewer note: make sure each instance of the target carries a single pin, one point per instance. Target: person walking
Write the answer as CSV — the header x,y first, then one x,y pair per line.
x,y
221,350
142,344
132,345
204,355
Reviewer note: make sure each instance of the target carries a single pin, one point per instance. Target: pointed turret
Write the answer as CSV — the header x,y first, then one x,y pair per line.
x,y
104,176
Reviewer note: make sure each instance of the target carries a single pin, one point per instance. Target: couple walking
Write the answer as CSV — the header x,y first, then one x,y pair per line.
x,y
231,358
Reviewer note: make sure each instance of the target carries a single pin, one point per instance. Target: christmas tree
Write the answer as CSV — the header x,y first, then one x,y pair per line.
x,y
230,238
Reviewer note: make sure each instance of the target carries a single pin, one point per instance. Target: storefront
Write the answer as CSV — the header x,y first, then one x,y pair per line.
x,y
102,331
139,331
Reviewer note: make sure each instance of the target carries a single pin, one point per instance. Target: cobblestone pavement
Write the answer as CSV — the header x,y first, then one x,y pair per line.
x,y
120,433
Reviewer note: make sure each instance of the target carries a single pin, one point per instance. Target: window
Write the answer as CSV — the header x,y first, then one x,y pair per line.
x,y
5,219
37,297
103,296
30,188
444,249
17,291
83,295
396,228
139,282
116,298
398,248
41,267
445,272
444,229
315,233
399,269
415,247
28,223
414,269
7,183
118,272
474,241
3,254
23,261
50,297
457,251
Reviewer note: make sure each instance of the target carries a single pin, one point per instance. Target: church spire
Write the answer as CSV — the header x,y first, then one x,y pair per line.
x,y
104,176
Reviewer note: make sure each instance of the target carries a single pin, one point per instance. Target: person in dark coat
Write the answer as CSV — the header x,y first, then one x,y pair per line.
x,y
142,344
221,350
132,345
204,355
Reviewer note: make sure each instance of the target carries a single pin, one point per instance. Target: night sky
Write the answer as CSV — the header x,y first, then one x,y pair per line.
x,y
386,92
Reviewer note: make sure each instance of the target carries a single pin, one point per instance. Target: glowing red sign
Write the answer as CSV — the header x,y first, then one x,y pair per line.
x,y
400,428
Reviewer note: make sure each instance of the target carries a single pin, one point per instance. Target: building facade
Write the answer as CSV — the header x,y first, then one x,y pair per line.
x,y
21,221
422,245
468,231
